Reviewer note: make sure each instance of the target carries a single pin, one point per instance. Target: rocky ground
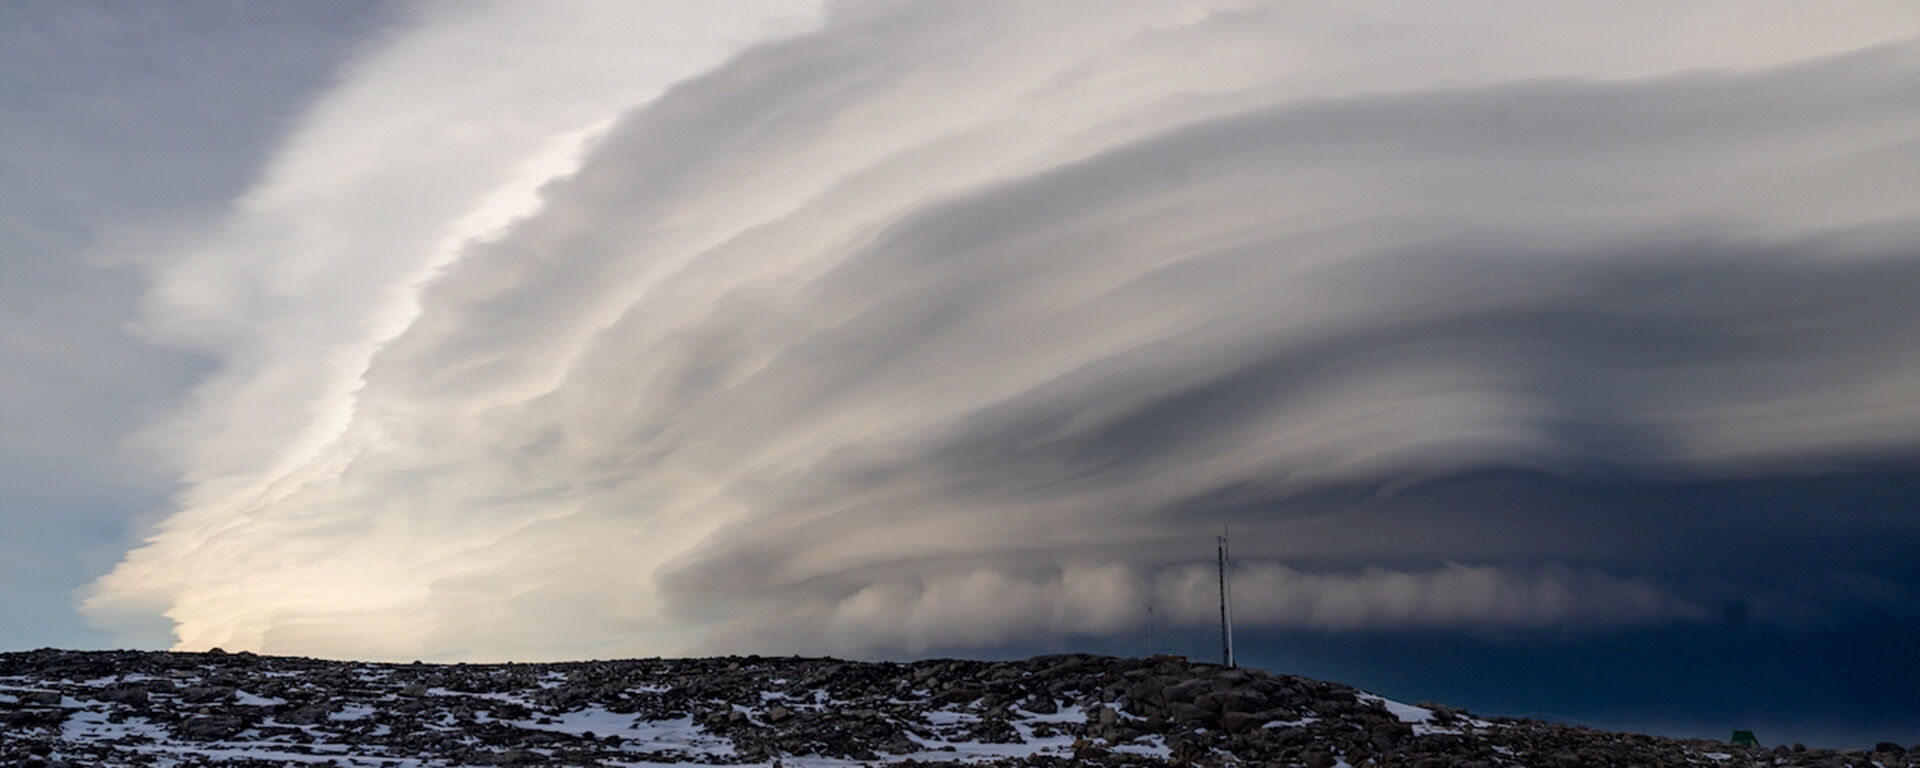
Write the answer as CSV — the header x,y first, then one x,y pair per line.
x,y
67,708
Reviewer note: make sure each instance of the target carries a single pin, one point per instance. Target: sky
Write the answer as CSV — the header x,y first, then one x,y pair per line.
x,y
1555,359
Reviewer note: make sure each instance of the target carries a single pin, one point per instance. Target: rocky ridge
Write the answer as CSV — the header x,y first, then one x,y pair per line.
x,y
126,708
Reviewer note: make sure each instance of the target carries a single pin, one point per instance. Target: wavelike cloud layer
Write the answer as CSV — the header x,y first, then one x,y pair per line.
x,y
915,326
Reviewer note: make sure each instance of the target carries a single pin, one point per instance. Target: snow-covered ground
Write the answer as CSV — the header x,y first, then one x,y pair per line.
x,y
208,713
73,709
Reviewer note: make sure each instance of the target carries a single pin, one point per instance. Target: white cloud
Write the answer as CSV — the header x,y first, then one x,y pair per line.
x,y
886,316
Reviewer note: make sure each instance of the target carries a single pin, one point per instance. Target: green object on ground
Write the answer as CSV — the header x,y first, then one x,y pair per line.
x,y
1745,739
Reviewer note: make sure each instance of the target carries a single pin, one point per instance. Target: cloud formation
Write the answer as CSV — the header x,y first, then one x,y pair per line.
x,y
940,324
987,608
114,116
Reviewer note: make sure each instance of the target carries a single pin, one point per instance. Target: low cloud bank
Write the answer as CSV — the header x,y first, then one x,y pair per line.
x,y
987,608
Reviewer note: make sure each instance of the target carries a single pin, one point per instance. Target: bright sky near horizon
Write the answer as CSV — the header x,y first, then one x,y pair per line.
x,y
506,330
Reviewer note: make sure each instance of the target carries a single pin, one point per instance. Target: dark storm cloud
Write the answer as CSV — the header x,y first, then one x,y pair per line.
x,y
1628,357
915,331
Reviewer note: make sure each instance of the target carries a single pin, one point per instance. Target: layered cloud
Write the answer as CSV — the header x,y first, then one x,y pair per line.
x,y
910,326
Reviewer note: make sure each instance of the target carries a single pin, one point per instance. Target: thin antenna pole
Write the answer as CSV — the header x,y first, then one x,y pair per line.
x,y
1220,559
1226,623
1226,587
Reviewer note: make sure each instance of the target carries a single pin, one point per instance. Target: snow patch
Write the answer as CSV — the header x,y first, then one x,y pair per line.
x,y
1407,713
246,699
351,712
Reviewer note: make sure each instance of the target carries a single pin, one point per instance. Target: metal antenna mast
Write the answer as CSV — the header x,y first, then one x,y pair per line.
x,y
1226,613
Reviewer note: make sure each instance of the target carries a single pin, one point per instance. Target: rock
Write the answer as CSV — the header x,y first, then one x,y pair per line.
x,y
961,695
207,693
1186,691
1241,722
1149,691
1387,735
507,757
211,727
900,744
1292,736
305,714
1185,714
32,718
124,693
1231,700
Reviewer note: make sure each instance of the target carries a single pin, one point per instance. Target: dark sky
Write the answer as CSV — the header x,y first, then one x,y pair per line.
x,y
1820,660
1554,360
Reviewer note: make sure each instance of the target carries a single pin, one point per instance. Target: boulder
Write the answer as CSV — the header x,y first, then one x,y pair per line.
x,y
203,694
211,727
124,693
1185,714
1241,722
